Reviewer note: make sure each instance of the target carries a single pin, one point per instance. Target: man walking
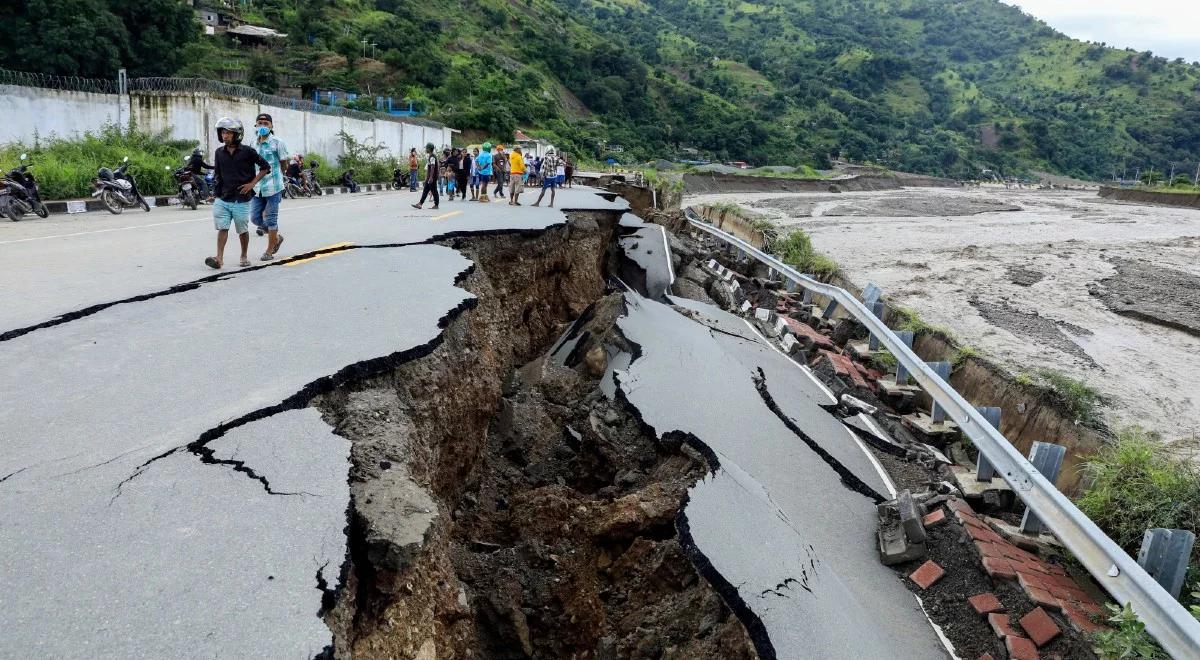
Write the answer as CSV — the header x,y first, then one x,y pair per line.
x,y
516,180
234,184
264,209
412,169
549,174
431,177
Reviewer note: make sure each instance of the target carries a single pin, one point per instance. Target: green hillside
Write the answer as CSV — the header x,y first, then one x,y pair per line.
x,y
934,86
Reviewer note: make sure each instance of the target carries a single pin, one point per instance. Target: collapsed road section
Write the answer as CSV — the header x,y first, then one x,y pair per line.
x,y
438,466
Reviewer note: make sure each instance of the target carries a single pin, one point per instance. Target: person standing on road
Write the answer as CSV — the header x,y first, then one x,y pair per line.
x,y
431,177
516,179
234,186
500,169
196,166
412,169
483,163
569,170
474,174
464,172
549,177
264,210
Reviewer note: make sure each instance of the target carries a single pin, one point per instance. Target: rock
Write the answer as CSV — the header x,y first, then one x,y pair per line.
x,y
697,275
685,249
721,295
691,290
583,224
834,188
428,651
629,515
397,515
596,361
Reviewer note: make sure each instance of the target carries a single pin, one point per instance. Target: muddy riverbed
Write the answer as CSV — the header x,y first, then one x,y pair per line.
x,y
1060,280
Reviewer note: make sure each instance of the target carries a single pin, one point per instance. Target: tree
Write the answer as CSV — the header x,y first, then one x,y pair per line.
x,y
263,74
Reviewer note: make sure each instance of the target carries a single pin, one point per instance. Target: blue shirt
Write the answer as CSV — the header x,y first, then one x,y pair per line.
x,y
272,150
483,163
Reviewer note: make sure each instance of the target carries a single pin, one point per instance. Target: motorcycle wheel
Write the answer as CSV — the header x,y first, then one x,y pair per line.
x,y
189,200
11,210
145,204
110,201
41,210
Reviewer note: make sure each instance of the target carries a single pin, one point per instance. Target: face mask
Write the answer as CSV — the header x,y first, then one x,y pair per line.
x,y
263,131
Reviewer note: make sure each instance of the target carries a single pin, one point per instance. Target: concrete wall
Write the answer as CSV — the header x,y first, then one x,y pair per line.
x,y
26,112
1190,200
29,112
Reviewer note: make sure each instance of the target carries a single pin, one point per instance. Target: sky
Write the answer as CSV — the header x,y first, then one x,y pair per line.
x,y
1166,27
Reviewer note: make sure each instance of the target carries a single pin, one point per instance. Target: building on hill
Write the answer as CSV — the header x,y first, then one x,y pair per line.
x,y
532,146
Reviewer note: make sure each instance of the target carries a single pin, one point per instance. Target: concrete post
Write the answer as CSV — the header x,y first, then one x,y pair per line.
x,y
1047,459
871,294
1165,554
984,470
877,308
906,337
830,309
942,369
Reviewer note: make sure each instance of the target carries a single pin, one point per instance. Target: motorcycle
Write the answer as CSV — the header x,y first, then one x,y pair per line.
x,y
19,193
117,189
311,184
293,189
399,180
185,183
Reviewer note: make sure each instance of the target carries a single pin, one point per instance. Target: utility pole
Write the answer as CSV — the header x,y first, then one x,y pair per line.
x,y
1196,179
1171,178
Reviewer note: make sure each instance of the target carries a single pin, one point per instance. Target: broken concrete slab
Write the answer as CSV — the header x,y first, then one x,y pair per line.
x,y
397,516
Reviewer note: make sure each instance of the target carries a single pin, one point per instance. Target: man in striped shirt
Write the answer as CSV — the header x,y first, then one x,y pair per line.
x,y
264,208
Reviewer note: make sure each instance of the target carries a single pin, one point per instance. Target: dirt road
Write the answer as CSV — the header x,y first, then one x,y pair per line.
x,y
1059,280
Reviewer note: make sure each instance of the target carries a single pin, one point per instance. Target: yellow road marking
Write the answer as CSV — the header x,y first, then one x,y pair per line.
x,y
320,256
446,215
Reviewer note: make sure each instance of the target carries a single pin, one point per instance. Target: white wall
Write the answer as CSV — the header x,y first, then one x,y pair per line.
x,y
26,112
29,112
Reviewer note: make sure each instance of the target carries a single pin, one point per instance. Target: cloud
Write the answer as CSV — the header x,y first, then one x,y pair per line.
x,y
1166,27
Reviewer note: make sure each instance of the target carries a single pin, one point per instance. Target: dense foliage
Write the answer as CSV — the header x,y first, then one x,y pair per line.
x,y
936,86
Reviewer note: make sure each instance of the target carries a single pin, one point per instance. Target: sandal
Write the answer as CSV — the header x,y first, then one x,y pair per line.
x,y
267,256
244,263
212,262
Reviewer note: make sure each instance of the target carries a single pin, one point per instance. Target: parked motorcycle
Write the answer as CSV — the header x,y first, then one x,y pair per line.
x,y
293,189
310,181
117,190
19,193
185,183
399,180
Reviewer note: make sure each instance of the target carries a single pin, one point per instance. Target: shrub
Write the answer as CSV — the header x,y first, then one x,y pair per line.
x,y
1080,400
1127,639
1136,485
65,168
796,250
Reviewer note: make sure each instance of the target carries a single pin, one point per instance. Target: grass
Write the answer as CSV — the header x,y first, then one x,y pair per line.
x,y
962,354
1137,484
912,322
796,250
1080,400
65,168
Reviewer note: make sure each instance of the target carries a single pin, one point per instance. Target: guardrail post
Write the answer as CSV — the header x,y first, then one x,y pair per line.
x,y
984,470
906,338
808,294
1047,458
871,294
1165,554
942,369
877,308
830,309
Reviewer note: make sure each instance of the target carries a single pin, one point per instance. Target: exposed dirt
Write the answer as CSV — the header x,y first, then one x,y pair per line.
x,y
1034,326
1147,291
1023,276
501,514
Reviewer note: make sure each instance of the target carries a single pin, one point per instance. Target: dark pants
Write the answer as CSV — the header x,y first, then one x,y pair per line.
x,y
412,180
462,184
500,180
430,187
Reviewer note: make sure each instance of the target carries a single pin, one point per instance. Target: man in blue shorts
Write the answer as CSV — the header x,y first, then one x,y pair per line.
x,y
549,174
483,165
234,188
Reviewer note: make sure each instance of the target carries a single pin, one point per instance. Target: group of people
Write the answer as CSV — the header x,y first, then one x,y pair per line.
x,y
457,172
249,180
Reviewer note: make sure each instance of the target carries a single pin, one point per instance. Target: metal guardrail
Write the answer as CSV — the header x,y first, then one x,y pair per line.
x,y
1118,573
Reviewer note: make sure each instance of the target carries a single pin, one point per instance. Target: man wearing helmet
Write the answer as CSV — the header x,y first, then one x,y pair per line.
x,y
234,183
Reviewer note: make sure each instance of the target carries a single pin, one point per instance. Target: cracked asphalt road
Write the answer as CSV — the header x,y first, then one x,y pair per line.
x,y
778,520
166,493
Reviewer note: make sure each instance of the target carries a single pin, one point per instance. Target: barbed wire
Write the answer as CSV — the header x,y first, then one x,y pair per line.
x,y
205,86
65,83
196,86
